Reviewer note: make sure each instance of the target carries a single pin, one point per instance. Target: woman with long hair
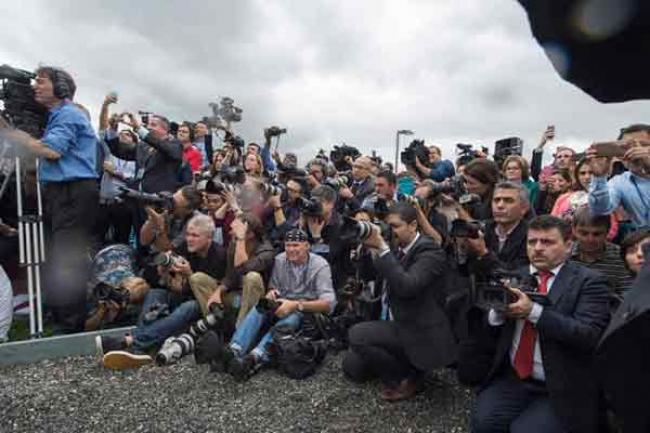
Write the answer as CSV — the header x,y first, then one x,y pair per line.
x,y
516,169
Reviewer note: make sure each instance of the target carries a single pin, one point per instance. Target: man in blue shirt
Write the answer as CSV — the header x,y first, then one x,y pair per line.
x,y
631,189
67,155
437,169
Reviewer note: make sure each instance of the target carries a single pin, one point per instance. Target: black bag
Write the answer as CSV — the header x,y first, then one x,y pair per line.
x,y
296,355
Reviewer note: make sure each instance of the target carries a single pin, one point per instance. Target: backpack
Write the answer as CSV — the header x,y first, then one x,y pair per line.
x,y
295,354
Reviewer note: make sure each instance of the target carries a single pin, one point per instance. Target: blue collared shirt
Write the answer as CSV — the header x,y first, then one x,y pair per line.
x,y
626,189
69,133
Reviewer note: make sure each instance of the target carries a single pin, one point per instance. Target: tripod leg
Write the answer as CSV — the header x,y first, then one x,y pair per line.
x,y
37,279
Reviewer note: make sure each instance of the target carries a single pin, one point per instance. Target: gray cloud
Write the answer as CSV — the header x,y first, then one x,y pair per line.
x,y
331,71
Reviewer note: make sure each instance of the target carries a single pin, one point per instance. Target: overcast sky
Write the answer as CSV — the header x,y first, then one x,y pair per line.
x,y
330,71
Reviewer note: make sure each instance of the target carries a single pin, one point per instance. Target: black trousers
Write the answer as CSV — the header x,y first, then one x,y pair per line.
x,y
72,210
117,215
377,351
510,405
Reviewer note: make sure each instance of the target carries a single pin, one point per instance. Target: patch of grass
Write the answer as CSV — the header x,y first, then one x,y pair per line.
x,y
20,329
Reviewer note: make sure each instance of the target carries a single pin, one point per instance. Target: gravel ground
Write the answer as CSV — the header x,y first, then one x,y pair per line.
x,y
76,395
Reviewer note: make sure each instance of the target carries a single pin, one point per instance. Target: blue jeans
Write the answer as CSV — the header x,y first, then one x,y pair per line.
x,y
247,333
148,335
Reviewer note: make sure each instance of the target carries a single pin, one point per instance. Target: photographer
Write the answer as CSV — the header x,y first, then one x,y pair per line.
x,y
418,337
362,186
480,177
68,154
249,258
631,189
316,170
436,168
193,268
502,245
533,361
203,142
158,157
301,282
164,229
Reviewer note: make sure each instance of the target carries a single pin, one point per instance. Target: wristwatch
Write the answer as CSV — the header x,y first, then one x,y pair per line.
x,y
301,306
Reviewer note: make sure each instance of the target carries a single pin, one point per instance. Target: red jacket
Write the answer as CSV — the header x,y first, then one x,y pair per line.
x,y
193,156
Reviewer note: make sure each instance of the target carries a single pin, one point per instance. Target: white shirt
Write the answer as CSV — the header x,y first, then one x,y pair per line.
x,y
497,319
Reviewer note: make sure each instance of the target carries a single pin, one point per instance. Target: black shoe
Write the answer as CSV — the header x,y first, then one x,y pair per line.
x,y
105,344
244,368
221,363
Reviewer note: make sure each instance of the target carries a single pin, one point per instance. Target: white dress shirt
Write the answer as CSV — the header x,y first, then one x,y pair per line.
x,y
496,318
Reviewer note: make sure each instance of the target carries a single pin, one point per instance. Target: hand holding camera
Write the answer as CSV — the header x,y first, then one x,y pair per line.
x,y
521,308
157,219
374,239
315,224
181,266
239,228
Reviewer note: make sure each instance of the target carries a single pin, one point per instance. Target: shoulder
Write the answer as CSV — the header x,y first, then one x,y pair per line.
x,y
582,272
317,261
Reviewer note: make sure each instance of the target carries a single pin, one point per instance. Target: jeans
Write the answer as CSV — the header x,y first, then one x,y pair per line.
x,y
148,335
247,333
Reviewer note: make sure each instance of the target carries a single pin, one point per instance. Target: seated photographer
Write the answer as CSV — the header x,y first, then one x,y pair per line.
x,y
287,215
533,359
249,258
436,168
631,189
165,229
592,250
418,336
189,270
502,245
301,282
362,183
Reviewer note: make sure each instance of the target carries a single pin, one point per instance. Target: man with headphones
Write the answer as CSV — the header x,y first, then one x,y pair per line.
x,y
67,154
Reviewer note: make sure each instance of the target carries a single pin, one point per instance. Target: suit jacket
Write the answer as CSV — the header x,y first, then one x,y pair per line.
x,y
568,331
360,192
413,284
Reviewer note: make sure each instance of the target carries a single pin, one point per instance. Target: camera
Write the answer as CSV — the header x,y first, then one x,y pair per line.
x,y
340,155
232,175
354,231
271,190
267,306
160,202
274,131
465,229
416,149
454,186
234,140
466,153
505,147
166,259
106,292
337,182
20,108
311,207
174,348
492,292
411,200
228,111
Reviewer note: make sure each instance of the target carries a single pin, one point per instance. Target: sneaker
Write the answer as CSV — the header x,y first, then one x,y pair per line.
x,y
123,360
105,344
244,368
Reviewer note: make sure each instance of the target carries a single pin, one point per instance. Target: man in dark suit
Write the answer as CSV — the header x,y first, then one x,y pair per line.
x,y
363,184
417,337
503,245
540,377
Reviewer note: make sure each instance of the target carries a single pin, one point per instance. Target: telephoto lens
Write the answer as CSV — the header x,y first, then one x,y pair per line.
x,y
175,348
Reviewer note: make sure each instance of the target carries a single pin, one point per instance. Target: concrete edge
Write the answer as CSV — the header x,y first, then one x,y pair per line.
x,y
30,351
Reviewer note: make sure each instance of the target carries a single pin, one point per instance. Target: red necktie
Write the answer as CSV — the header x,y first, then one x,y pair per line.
x,y
523,361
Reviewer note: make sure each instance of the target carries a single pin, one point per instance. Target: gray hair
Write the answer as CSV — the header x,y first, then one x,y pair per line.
x,y
203,223
524,195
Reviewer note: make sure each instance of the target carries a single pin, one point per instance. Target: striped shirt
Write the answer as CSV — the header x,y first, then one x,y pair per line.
x,y
610,265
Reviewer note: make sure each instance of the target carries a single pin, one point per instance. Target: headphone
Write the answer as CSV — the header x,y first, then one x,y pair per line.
x,y
60,84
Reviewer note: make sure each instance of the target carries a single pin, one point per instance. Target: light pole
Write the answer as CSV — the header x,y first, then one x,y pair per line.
x,y
399,132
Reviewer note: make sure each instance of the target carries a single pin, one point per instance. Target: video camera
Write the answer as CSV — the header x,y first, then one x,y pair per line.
x,y
20,108
505,147
232,175
160,202
416,149
454,186
340,154
274,131
492,293
466,153
234,140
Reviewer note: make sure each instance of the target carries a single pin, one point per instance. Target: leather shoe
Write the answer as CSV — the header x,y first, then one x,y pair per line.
x,y
405,390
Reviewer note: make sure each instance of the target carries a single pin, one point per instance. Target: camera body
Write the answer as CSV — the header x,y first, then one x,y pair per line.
x,y
340,155
167,259
20,108
465,229
232,175
416,149
267,306
311,207
274,131
493,294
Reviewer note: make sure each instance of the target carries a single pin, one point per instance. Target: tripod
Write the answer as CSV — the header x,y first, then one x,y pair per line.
x,y
31,247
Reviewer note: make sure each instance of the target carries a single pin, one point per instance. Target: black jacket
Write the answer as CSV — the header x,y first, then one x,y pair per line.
x,y
158,160
512,256
569,330
413,284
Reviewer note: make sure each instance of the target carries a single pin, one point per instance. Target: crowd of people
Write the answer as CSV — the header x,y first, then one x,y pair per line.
x,y
507,272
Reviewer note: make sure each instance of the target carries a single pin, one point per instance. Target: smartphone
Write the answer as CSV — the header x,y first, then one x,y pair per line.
x,y
113,94
611,149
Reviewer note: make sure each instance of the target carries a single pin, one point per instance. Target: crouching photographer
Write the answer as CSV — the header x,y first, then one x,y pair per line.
x,y
193,268
301,282
418,336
